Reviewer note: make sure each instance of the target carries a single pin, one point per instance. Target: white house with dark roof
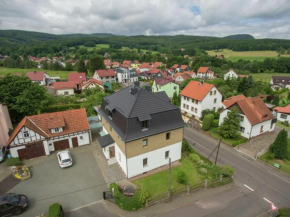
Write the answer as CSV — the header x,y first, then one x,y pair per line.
x,y
279,82
256,118
141,130
126,76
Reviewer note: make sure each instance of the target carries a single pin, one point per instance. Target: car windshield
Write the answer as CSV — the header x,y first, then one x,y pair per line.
x,y
65,160
14,199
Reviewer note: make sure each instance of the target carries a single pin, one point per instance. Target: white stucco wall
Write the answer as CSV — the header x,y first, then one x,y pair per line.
x,y
13,151
122,162
230,75
282,119
61,92
155,159
179,78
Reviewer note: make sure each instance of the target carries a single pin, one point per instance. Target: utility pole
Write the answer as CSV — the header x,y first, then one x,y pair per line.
x,y
169,181
217,154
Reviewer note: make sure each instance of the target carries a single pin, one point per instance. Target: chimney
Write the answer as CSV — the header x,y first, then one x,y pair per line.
x,y
201,82
136,84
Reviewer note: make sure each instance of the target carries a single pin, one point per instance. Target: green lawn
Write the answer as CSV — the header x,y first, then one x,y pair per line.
x,y
97,47
232,142
158,183
246,55
285,164
280,124
61,74
266,76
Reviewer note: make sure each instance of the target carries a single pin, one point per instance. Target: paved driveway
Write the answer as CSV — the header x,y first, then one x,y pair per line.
x,y
73,187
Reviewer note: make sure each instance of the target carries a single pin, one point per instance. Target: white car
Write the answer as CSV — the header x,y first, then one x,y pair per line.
x,y
64,159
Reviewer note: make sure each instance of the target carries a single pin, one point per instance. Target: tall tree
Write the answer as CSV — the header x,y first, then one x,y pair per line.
x,y
279,147
231,125
276,100
96,62
81,66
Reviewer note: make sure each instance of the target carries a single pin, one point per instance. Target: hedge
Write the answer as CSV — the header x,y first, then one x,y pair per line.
x,y
206,123
129,203
14,161
54,210
57,108
240,142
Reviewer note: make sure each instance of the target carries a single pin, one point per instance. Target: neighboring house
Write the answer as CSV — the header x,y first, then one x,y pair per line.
x,y
143,130
279,82
192,74
38,77
66,88
231,75
199,96
256,118
184,68
180,77
126,76
163,74
282,113
77,77
146,75
127,64
116,65
93,83
204,72
147,66
107,75
5,125
231,100
165,84
175,68
135,64
39,135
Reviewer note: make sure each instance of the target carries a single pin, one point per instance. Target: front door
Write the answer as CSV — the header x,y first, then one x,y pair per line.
x,y
22,154
112,151
75,142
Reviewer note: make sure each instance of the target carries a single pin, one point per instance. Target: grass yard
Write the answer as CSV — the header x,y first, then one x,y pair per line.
x,y
246,55
231,142
266,76
284,164
280,124
51,73
158,183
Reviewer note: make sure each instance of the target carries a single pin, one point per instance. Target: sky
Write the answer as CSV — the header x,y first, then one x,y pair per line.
x,y
260,18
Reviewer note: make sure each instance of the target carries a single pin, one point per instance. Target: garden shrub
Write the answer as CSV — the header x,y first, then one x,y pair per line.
x,y
228,171
203,170
212,118
129,203
206,123
270,156
286,123
194,158
54,210
241,141
14,161
284,212
186,147
215,123
182,177
200,162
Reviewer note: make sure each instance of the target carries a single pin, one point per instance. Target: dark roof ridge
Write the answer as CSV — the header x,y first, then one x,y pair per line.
x,y
135,102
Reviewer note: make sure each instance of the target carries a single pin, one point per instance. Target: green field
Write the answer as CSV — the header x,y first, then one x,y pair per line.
x,y
97,47
246,55
266,76
61,74
141,50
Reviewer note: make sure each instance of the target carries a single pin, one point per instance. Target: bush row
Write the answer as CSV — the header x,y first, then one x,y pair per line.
x,y
14,161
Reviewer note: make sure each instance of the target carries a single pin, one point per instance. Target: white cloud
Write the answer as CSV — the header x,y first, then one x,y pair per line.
x,y
261,18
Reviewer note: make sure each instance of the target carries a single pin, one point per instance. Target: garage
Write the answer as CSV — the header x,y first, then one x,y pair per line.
x,y
31,151
61,145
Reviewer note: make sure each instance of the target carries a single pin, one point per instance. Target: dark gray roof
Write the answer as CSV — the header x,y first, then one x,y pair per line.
x,y
132,73
105,140
281,80
131,109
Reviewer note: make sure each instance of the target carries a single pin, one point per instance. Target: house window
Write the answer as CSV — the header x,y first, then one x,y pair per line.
x,y
110,115
145,125
214,93
192,100
242,118
166,154
25,134
195,110
167,136
283,116
110,128
145,162
112,77
174,88
210,92
214,108
242,129
187,107
214,100
187,98
261,129
145,142
65,92
184,105
56,130
196,102
192,109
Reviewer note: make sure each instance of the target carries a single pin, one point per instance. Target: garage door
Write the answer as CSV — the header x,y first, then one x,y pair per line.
x,y
61,145
35,150
22,154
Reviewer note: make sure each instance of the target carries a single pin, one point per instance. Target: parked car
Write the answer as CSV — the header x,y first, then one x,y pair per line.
x,y
3,153
64,159
12,204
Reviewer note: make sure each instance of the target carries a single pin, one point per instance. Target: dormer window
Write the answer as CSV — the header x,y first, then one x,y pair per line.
x,y
110,114
145,125
56,130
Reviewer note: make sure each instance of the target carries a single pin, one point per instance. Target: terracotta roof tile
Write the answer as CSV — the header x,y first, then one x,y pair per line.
x,y
196,90
182,67
64,85
77,77
105,73
35,76
285,110
202,70
232,100
163,81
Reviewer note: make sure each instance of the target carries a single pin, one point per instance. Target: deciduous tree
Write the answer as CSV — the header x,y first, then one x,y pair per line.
x,y
231,125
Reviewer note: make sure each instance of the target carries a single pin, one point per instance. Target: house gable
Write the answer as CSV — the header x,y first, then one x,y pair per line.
x,y
25,136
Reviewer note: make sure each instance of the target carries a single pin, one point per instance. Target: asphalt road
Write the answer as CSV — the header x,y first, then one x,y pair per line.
x,y
259,184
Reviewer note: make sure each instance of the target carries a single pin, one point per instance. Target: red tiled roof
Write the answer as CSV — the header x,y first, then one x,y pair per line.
x,y
92,81
157,64
107,61
35,76
202,70
191,73
105,73
72,120
64,85
285,110
163,81
77,77
182,67
196,90
183,75
243,76
154,71
232,100
175,66
116,63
